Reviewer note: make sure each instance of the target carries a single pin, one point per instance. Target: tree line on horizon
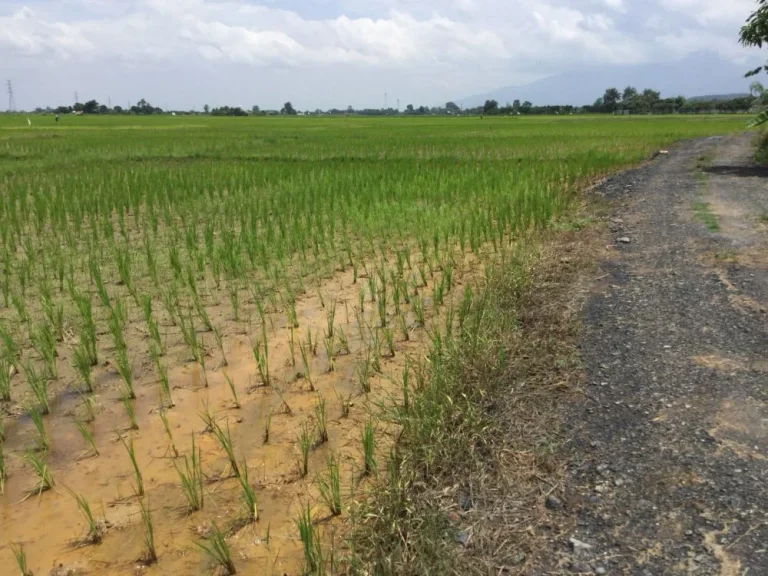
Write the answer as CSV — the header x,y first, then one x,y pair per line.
x,y
613,101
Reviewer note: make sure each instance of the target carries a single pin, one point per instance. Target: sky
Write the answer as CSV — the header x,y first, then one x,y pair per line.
x,y
182,54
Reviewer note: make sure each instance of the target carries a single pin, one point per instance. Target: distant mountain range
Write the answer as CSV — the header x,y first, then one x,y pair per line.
x,y
698,74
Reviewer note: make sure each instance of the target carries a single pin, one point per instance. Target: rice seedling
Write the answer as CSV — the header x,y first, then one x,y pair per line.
x,y
417,306
41,471
45,343
321,420
3,471
200,355
39,387
21,307
250,502
265,433
381,306
330,353
361,298
139,488
313,553
305,363
123,365
225,440
192,479
217,549
152,326
82,364
233,390
21,559
42,436
10,347
292,347
150,553
220,344
363,373
405,386
165,385
311,342
330,318
305,447
369,447
374,351
5,380
234,299
207,417
330,486
261,355
130,412
87,435
95,529
167,428
116,324
389,341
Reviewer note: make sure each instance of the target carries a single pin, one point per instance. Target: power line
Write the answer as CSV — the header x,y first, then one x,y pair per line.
x,y
11,101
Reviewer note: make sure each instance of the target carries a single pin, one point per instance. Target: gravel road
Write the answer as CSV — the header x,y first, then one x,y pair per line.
x,y
668,451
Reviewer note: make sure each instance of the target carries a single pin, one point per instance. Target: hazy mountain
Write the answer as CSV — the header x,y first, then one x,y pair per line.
x,y
701,73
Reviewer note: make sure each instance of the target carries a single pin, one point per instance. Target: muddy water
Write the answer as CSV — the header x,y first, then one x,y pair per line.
x,y
49,525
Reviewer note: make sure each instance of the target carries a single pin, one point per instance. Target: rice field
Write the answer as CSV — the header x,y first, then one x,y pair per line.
x,y
203,320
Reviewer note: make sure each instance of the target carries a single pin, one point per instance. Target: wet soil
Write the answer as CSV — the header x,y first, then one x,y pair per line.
x,y
49,525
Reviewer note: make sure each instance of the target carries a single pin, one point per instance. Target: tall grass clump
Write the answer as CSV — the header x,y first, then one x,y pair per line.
x,y
217,549
95,529
225,441
314,563
250,502
149,555
21,559
136,470
192,479
330,486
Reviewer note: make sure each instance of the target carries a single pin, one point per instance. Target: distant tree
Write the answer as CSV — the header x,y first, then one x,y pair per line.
x,y
288,109
78,107
516,105
526,107
629,93
350,110
452,107
255,110
651,96
117,109
491,107
598,105
409,108
91,107
206,109
143,107
611,99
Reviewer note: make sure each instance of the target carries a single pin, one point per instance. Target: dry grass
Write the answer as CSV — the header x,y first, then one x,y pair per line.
x,y
480,445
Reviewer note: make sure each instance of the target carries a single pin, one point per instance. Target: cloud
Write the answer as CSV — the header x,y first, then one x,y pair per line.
x,y
424,46
720,13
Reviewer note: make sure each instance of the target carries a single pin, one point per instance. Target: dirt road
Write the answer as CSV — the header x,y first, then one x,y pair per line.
x,y
668,451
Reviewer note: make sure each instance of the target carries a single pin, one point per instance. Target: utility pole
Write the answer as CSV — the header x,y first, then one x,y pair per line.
x,y
11,101
77,99
385,100
398,105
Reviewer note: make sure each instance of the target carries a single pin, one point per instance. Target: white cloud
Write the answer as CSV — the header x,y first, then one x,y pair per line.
x,y
424,45
724,13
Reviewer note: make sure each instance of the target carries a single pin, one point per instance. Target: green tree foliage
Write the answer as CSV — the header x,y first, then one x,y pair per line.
x,y
491,107
755,33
